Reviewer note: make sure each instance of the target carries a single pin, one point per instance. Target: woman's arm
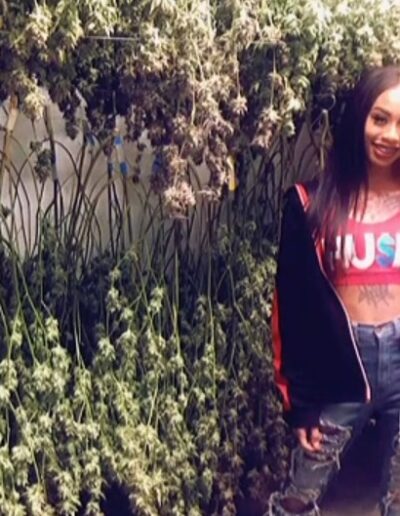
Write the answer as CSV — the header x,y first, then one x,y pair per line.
x,y
290,319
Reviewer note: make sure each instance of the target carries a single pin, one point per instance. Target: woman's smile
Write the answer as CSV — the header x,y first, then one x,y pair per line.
x,y
385,152
382,131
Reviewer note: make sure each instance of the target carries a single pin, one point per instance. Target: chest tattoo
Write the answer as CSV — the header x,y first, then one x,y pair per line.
x,y
381,207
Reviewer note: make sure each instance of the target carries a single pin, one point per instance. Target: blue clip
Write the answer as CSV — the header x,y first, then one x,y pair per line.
x,y
123,167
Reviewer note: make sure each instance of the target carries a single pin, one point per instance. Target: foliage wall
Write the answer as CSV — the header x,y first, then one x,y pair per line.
x,y
204,78
146,363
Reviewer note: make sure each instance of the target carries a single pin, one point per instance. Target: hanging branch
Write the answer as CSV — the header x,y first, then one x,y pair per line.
x,y
57,194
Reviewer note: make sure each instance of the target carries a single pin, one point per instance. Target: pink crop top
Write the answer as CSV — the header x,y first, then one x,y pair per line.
x,y
371,253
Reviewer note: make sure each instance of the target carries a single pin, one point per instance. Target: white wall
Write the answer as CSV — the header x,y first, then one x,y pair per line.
x,y
27,197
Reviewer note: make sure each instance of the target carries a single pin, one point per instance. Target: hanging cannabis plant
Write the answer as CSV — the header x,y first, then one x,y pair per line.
x,y
143,360
202,79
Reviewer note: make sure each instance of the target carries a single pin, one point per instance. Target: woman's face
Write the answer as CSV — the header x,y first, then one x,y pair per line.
x,y
382,131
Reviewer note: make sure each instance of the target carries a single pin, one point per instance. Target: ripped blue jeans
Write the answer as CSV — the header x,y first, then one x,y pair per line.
x,y
340,423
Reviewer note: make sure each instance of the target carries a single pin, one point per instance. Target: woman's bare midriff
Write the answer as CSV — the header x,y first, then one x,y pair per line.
x,y
371,304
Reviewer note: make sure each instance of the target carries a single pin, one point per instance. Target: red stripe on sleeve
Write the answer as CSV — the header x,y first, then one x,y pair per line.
x,y
280,380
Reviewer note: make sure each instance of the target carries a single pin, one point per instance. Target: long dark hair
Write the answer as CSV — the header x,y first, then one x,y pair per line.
x,y
345,174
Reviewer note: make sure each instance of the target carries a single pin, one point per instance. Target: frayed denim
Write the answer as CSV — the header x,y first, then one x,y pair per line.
x,y
310,472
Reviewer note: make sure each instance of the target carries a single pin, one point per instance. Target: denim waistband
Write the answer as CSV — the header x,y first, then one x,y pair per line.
x,y
391,327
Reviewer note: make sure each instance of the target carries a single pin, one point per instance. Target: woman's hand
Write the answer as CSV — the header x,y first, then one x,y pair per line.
x,y
309,438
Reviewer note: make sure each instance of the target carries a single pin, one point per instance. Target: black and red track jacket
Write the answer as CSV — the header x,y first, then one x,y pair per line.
x,y
316,357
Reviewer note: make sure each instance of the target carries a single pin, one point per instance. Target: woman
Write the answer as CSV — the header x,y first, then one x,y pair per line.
x,y
336,320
